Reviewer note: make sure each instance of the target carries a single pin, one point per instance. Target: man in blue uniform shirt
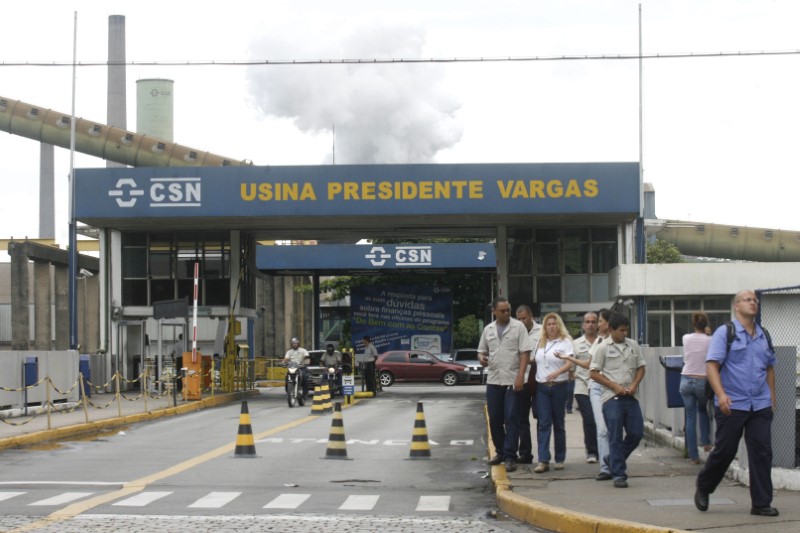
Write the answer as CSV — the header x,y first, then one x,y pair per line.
x,y
743,379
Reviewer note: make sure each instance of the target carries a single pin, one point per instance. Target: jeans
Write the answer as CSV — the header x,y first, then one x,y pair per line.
x,y
524,425
595,391
551,402
570,394
589,427
501,404
757,429
693,392
625,430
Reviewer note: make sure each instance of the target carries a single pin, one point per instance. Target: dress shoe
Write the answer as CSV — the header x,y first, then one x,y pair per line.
x,y
603,476
701,501
496,460
621,483
764,511
541,468
525,461
511,465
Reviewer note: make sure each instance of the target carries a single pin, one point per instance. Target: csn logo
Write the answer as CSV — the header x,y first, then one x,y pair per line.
x,y
162,192
404,256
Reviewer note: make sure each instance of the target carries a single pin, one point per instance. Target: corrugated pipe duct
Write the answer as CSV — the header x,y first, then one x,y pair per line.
x,y
731,242
100,140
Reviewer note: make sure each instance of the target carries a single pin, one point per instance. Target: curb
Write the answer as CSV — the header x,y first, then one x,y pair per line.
x,y
551,518
89,428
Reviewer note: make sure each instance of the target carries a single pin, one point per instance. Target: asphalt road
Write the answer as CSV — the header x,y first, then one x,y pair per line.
x,y
182,473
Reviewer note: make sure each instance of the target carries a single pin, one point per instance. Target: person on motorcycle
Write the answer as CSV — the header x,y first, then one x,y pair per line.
x,y
333,358
300,356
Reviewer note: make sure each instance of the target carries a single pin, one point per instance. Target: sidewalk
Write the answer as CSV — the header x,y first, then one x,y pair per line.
x,y
71,421
660,496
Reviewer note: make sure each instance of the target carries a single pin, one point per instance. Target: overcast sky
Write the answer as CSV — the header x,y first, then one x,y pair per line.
x,y
720,134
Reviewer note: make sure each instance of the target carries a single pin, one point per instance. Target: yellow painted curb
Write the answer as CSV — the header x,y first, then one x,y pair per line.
x,y
549,517
89,428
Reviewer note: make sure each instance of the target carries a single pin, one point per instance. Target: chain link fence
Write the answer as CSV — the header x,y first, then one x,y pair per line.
x,y
778,313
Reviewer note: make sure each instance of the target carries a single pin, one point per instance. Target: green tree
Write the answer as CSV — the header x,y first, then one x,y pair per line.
x,y
662,252
467,333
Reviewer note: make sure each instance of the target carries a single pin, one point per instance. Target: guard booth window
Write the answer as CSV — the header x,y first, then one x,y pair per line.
x,y
555,265
158,266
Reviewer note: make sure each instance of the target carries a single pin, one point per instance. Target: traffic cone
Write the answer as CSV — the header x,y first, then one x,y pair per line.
x,y
245,445
327,405
317,408
420,449
337,448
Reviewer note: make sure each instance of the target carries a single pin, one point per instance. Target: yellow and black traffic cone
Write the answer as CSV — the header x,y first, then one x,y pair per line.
x,y
327,405
245,444
420,449
317,407
337,448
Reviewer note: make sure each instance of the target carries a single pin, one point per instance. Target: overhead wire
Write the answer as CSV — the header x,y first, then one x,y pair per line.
x,y
402,61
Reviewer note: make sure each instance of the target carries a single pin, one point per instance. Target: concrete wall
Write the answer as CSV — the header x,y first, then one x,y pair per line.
x,y
682,279
61,367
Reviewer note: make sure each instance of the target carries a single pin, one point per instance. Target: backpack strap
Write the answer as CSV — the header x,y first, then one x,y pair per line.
x,y
732,335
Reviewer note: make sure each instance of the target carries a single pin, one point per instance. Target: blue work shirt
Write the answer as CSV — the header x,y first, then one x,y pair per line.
x,y
743,370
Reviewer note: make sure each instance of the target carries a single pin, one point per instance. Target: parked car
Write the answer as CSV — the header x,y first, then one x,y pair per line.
x,y
314,367
469,358
417,365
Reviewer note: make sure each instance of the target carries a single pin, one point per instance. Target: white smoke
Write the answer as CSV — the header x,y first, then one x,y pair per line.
x,y
382,113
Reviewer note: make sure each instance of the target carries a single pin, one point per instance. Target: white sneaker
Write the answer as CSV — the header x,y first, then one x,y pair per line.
x,y
591,459
559,466
541,467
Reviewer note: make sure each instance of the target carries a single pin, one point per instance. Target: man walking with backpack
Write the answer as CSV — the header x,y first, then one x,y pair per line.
x,y
742,375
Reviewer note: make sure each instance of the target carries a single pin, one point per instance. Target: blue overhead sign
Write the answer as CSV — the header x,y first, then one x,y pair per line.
x,y
369,190
333,257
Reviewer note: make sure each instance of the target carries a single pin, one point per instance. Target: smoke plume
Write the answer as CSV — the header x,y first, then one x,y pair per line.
x,y
392,113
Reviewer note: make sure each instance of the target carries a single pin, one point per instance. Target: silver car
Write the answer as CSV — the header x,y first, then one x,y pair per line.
x,y
469,358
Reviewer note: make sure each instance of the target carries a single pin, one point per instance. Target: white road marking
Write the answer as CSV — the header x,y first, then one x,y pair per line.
x,y
97,483
63,498
142,499
287,501
215,500
9,495
359,503
433,503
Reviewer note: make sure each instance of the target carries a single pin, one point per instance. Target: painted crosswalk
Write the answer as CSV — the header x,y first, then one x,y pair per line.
x,y
215,500
61,499
218,500
142,499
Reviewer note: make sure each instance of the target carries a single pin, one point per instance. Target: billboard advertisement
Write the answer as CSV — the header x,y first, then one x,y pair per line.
x,y
402,317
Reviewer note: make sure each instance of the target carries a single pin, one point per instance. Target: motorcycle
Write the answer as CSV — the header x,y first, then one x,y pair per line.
x,y
294,385
330,377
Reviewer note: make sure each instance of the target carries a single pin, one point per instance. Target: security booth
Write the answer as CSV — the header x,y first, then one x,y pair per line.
x,y
557,230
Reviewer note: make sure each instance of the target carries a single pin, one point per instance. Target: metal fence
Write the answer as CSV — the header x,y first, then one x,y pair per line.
x,y
779,313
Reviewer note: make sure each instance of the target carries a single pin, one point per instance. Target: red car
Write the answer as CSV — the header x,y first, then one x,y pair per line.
x,y
417,365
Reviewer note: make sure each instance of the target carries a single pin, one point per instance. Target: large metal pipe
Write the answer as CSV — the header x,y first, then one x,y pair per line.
x,y
100,140
731,242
